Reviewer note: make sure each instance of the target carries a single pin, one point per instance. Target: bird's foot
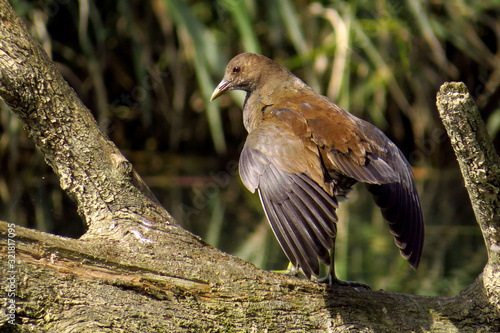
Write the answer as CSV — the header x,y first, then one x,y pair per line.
x,y
290,270
332,280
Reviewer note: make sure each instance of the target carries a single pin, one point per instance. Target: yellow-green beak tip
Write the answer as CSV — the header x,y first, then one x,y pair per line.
x,y
220,89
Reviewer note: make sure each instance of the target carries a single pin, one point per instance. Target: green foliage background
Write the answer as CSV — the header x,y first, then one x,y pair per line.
x,y
147,69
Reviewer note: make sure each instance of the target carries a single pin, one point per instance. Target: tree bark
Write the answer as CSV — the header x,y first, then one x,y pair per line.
x,y
480,166
136,270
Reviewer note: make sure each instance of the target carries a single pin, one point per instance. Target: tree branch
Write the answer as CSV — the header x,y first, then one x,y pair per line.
x,y
478,159
69,283
480,166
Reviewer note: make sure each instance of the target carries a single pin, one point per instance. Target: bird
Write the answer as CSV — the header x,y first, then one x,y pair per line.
x,y
303,155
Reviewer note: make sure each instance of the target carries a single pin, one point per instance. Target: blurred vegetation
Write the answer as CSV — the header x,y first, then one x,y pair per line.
x,y
147,68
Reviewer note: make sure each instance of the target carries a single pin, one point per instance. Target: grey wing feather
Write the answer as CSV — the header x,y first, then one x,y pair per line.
x,y
300,212
398,200
400,206
375,171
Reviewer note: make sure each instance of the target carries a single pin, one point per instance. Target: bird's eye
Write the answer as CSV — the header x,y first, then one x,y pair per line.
x,y
236,69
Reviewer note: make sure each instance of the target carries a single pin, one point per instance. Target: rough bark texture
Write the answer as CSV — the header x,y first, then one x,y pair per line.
x,y
480,166
136,271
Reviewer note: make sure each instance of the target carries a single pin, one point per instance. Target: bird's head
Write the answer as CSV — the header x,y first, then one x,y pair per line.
x,y
247,71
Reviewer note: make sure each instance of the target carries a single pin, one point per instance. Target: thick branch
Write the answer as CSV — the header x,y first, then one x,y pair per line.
x,y
480,166
68,283
479,162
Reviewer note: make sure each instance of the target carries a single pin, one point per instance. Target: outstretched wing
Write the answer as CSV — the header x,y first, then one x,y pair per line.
x,y
389,178
354,148
399,201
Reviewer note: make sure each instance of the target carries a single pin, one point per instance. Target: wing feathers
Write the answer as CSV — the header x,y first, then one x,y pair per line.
x,y
302,216
400,206
395,194
374,171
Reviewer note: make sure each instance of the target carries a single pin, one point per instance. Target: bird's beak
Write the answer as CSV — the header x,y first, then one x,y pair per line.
x,y
221,88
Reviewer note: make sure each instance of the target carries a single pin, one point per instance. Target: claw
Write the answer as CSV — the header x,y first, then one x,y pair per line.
x,y
331,279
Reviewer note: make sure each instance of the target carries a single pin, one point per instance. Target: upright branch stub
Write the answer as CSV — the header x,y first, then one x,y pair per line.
x,y
478,160
90,167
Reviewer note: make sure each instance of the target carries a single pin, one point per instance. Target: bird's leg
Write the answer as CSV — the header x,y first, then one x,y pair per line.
x,y
332,279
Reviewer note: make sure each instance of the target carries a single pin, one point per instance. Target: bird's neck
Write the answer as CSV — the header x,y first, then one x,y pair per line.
x,y
252,110
272,93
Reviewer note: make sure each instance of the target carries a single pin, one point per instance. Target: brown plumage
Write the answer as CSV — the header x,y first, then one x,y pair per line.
x,y
303,152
